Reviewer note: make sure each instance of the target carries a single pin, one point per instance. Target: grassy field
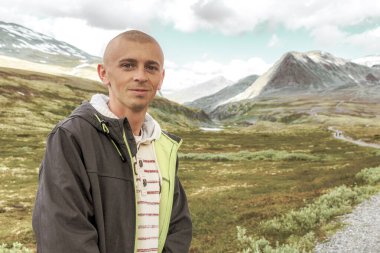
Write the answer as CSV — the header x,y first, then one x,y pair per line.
x,y
225,193
242,176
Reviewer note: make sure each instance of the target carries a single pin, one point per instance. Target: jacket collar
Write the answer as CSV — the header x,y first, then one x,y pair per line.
x,y
150,131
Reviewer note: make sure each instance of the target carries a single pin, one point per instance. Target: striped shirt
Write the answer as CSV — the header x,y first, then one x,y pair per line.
x,y
148,198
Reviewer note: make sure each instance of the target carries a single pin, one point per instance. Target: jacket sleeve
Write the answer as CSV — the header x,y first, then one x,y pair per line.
x,y
180,229
63,213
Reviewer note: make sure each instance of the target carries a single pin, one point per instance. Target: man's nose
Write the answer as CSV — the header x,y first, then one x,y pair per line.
x,y
140,75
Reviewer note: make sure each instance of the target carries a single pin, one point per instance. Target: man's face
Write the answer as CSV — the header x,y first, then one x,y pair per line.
x,y
133,72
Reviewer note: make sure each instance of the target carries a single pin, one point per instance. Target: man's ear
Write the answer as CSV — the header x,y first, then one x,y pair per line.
x,y
102,73
162,80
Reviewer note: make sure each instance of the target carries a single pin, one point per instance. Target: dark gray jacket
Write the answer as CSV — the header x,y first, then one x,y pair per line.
x,y
86,196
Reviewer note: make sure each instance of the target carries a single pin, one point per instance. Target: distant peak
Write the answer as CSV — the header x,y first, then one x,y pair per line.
x,y
316,56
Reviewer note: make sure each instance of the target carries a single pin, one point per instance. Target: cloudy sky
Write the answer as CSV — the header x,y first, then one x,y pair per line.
x,y
206,38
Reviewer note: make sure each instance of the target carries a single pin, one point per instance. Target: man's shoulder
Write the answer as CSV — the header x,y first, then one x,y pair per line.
x,y
172,136
75,121
72,125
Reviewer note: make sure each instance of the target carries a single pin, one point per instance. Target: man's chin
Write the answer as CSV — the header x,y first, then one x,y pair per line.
x,y
139,107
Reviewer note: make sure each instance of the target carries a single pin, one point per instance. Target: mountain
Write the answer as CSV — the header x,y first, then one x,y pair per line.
x,y
26,44
369,61
200,90
23,48
306,87
209,103
310,72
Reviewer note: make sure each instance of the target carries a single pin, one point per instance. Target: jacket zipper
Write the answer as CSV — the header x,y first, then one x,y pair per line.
x,y
133,166
106,131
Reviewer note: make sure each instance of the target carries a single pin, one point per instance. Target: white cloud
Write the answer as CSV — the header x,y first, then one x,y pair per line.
x,y
179,77
320,17
369,39
179,14
224,15
328,35
274,41
238,16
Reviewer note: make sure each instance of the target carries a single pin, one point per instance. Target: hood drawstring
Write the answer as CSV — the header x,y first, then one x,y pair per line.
x,y
106,131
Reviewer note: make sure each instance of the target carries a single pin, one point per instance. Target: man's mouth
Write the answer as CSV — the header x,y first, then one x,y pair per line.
x,y
139,91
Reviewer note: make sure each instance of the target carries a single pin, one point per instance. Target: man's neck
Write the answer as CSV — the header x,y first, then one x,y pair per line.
x,y
136,122
135,119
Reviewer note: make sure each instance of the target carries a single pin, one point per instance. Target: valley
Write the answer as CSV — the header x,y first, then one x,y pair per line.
x,y
273,155
259,161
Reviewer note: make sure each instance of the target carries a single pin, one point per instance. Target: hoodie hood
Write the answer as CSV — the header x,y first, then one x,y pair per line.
x,y
150,130
100,103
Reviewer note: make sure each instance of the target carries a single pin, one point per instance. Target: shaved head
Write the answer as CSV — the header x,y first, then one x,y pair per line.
x,y
133,71
131,36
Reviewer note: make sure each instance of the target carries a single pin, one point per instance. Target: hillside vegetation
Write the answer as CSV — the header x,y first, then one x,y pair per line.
x,y
42,100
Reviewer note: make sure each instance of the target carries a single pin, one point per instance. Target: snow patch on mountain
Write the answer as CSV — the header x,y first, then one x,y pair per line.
x,y
21,42
368,61
23,48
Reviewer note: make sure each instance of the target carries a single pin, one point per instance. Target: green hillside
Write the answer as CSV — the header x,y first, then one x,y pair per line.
x,y
41,100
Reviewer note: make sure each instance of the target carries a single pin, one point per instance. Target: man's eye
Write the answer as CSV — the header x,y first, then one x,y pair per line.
x,y
151,68
127,65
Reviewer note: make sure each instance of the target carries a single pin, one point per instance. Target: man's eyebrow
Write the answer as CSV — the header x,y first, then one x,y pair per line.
x,y
132,60
151,62
128,60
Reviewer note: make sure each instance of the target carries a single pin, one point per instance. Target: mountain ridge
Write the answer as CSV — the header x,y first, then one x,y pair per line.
x,y
309,72
23,48
24,43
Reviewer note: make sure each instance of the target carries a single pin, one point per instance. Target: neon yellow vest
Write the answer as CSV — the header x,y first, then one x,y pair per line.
x,y
166,152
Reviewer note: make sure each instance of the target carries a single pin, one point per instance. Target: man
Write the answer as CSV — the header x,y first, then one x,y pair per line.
x,y
108,181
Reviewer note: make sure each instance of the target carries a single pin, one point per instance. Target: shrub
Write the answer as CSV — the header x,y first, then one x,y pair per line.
x,y
253,245
269,154
336,202
369,175
297,226
15,248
